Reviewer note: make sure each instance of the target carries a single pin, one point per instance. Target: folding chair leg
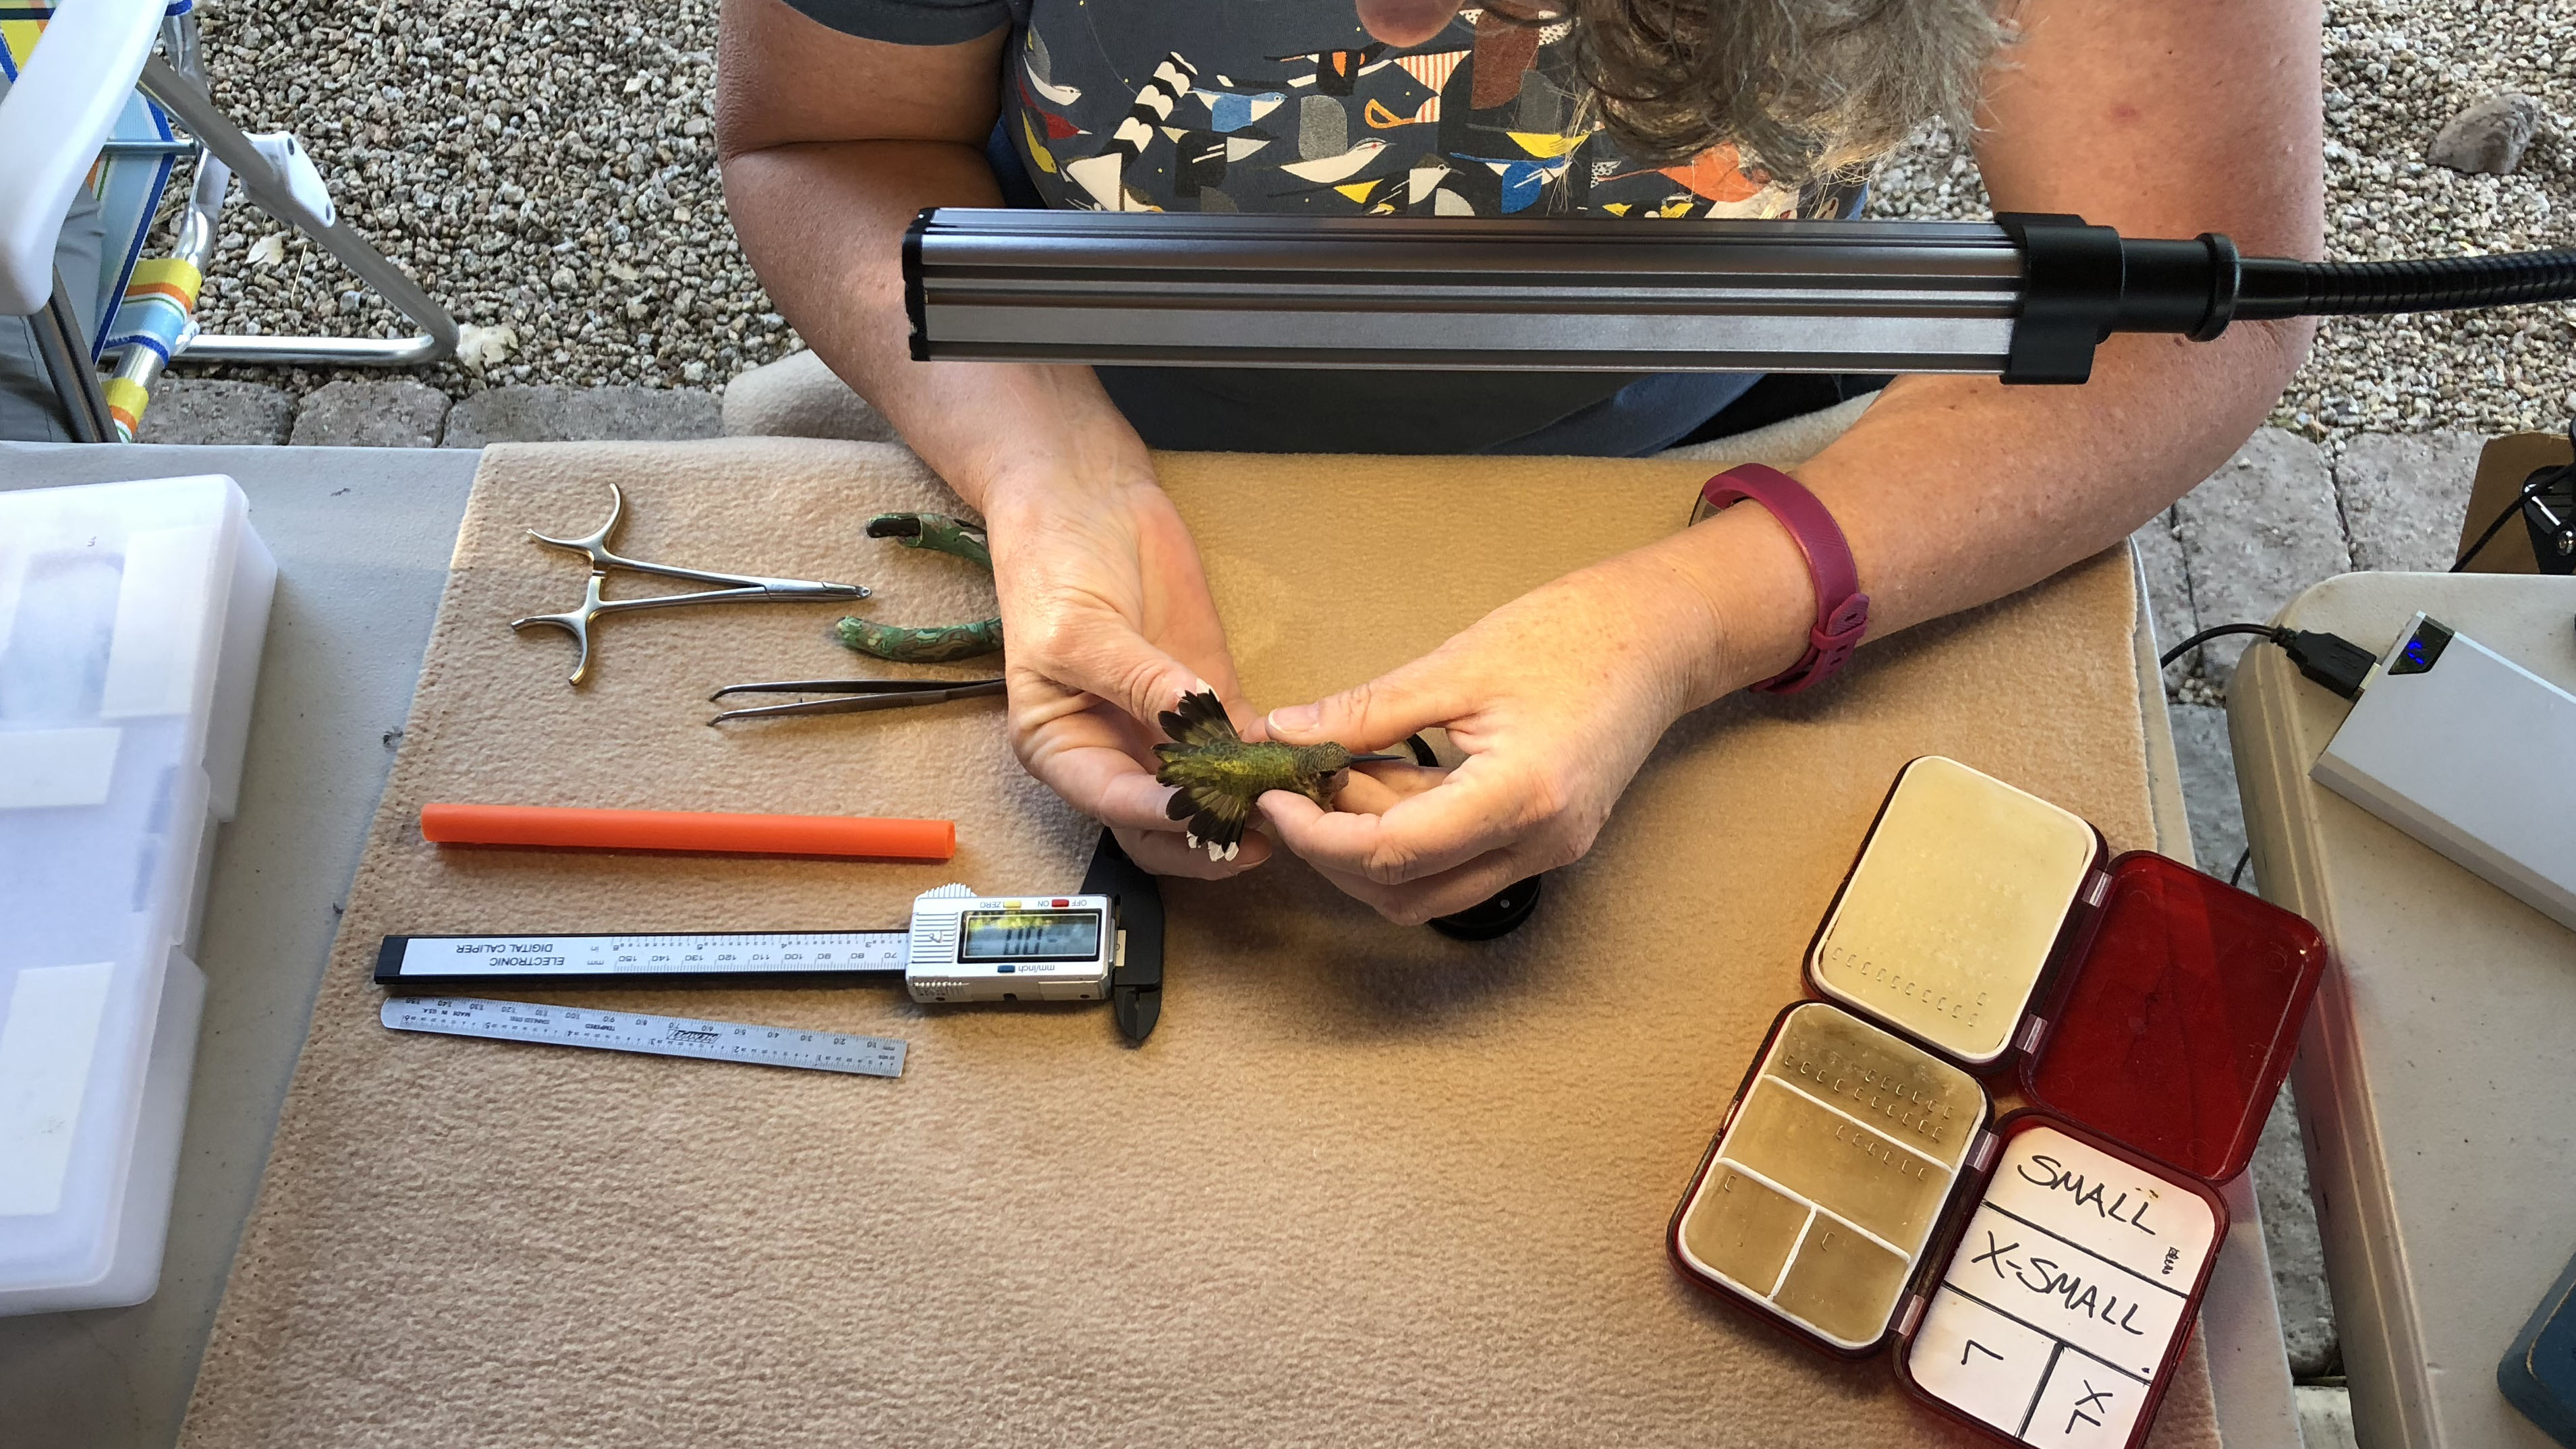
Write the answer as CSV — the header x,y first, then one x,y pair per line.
x,y
187,100
65,352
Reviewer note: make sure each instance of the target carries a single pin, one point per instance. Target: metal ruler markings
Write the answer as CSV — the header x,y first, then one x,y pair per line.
x,y
700,953
629,1031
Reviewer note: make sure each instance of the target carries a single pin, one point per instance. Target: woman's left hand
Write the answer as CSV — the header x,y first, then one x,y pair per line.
x,y
1555,698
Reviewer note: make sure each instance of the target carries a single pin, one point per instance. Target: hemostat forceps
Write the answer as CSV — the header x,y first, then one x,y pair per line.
x,y
594,546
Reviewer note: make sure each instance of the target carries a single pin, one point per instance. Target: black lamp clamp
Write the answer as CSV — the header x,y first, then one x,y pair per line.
x,y
2081,283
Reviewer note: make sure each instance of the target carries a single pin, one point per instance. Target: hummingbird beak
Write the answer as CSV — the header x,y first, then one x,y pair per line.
x,y
1381,759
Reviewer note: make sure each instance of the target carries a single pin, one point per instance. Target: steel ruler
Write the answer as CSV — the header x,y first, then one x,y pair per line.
x,y
630,1031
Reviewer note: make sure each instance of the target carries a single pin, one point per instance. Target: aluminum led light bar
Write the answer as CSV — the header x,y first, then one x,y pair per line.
x,y
2026,296
1559,295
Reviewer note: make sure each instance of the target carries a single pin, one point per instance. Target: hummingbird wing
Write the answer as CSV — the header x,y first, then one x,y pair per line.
x,y
1200,720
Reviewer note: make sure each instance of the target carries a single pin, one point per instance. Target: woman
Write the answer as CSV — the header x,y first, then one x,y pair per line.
x,y
839,119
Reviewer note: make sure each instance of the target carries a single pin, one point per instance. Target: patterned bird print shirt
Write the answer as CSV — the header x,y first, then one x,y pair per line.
x,y
1301,111
1290,105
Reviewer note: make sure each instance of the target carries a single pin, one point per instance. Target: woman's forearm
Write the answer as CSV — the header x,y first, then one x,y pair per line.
x,y
830,145
1957,491
823,223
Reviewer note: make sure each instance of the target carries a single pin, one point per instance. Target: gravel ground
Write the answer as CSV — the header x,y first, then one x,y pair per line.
x,y
550,171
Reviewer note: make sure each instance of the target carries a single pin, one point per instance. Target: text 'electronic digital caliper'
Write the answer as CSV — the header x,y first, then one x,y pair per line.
x,y
1102,942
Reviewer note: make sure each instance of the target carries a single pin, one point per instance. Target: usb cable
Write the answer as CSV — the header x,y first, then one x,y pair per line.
x,y
2329,659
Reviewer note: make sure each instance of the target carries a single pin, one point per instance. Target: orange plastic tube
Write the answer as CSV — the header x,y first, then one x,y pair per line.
x,y
697,831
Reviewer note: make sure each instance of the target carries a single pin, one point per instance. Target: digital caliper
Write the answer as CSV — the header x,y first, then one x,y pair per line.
x,y
1104,942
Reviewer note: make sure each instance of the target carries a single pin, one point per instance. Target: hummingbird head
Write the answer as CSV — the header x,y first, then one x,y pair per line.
x,y
1328,765
1322,760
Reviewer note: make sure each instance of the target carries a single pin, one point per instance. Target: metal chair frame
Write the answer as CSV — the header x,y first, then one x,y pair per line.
x,y
174,80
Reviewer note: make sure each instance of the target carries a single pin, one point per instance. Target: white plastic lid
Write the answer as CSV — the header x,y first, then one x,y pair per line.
x,y
119,606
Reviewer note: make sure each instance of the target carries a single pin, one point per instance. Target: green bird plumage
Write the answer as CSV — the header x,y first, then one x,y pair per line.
x,y
1220,774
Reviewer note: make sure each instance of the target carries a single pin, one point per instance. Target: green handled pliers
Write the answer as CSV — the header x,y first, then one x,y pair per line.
x,y
936,644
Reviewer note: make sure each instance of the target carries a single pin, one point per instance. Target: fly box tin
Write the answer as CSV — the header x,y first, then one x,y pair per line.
x,y
2037,1276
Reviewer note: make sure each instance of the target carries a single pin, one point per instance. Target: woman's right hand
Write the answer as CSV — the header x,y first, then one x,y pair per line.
x,y
1107,622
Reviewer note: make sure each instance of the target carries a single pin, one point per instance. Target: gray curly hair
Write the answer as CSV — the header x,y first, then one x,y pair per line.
x,y
1805,89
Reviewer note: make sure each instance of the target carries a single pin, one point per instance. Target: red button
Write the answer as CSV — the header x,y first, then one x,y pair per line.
x,y
1061,901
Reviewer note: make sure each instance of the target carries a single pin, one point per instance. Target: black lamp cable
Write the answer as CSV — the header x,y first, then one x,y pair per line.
x,y
2329,659
2205,635
2279,287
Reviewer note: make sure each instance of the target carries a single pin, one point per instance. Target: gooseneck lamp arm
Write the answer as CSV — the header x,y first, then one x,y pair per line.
x,y
2026,297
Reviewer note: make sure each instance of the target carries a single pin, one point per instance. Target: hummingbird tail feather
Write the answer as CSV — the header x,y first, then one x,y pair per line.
x,y
1199,720
1213,815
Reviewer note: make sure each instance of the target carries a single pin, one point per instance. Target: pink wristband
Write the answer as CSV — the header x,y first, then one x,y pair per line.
x,y
1842,610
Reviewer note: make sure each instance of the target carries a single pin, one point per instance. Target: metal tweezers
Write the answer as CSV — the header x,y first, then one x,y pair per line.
x,y
859,694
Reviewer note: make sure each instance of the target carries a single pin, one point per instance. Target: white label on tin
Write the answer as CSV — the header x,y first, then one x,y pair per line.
x,y
45,1049
2155,1228
2063,1291
1980,1360
2066,1295
2085,1403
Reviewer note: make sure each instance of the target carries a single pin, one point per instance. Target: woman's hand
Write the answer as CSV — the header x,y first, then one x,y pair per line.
x,y
1108,619
831,145
1556,698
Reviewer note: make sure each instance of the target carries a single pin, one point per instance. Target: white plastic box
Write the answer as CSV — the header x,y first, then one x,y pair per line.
x,y
131,619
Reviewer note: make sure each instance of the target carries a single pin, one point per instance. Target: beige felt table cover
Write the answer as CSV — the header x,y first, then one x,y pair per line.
x,y
1364,1186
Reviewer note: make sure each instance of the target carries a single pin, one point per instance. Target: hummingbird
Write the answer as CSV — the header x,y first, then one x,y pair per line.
x,y
1220,774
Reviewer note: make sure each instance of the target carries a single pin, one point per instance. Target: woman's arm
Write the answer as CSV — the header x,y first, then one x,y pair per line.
x,y
2163,119
831,143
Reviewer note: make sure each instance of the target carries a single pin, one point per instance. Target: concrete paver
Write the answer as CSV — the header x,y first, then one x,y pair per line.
x,y
2325,1417
798,397
548,414
399,412
2209,786
2259,530
2290,1235
2404,496
213,411
2168,582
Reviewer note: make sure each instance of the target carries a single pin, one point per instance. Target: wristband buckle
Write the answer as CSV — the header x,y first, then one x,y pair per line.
x,y
1842,610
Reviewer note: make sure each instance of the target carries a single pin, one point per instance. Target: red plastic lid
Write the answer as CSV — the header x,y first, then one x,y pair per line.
x,y
2179,1023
